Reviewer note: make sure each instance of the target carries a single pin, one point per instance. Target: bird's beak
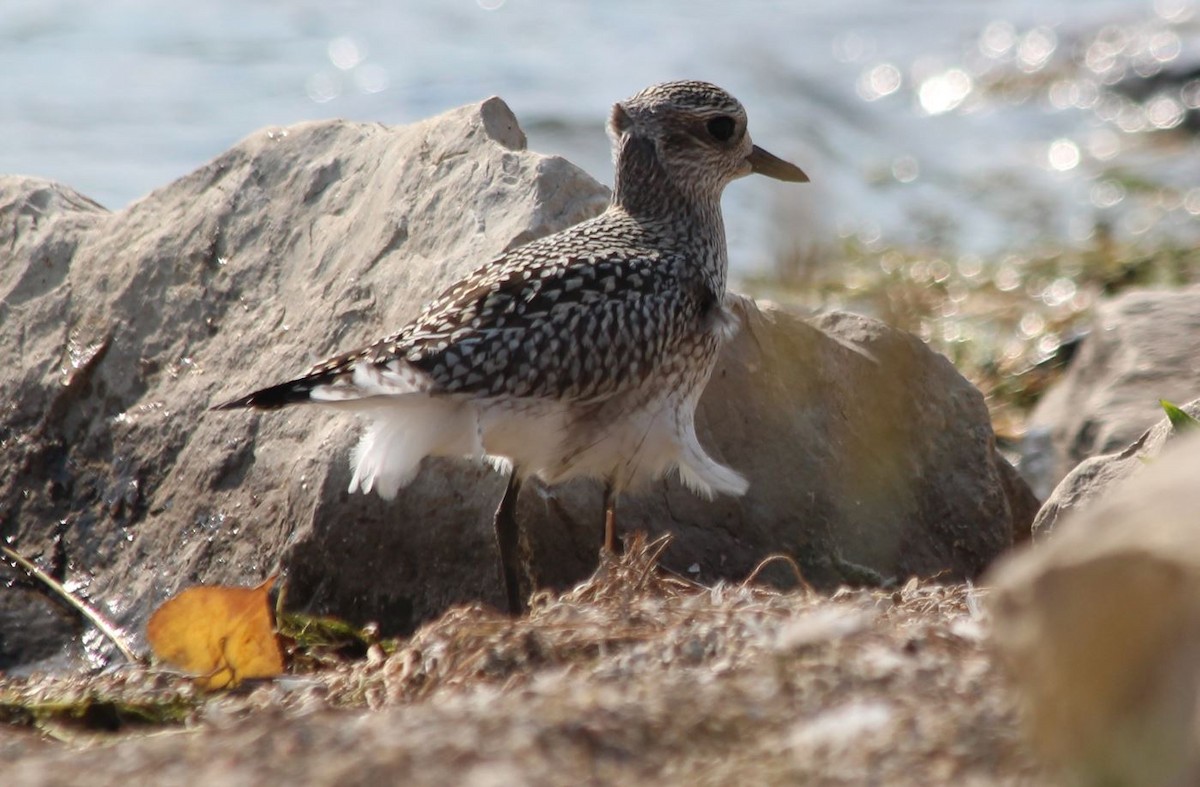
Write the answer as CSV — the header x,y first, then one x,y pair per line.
x,y
772,166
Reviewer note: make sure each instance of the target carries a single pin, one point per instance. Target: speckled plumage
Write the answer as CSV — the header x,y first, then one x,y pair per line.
x,y
582,353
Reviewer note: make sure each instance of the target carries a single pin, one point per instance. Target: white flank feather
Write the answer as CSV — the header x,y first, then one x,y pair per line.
x,y
402,432
704,475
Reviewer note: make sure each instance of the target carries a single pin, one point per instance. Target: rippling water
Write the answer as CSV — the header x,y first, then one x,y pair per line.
x,y
978,126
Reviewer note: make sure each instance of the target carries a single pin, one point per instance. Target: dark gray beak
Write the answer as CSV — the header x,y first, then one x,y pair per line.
x,y
772,166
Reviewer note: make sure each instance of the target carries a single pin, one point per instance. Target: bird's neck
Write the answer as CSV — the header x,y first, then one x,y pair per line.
x,y
690,217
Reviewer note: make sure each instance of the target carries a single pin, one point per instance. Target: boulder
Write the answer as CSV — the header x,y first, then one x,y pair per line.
x,y
1140,348
870,458
1100,629
1097,475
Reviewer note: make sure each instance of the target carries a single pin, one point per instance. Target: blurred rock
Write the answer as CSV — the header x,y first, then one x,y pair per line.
x,y
869,456
1037,460
1094,477
1100,627
1141,348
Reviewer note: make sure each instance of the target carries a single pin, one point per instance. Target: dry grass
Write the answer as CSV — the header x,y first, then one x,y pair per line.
x,y
1007,322
633,675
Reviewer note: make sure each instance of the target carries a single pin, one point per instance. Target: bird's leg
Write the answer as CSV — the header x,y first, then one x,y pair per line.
x,y
611,545
507,540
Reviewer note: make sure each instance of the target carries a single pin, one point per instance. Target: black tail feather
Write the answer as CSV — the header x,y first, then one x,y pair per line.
x,y
273,398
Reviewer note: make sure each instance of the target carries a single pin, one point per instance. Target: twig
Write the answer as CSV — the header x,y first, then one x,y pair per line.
x,y
94,617
768,560
654,551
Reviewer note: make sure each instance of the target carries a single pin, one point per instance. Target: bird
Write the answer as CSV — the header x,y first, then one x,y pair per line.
x,y
579,354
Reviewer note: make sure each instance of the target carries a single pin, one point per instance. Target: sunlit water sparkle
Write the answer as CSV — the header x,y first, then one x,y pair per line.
x,y
899,112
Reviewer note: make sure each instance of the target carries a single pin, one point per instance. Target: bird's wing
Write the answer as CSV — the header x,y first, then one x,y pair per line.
x,y
576,326
534,322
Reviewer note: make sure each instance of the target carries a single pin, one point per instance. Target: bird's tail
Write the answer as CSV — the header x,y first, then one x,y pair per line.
x,y
405,424
274,397
343,380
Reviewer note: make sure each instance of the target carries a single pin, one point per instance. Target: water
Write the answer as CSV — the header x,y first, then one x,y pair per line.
x,y
882,102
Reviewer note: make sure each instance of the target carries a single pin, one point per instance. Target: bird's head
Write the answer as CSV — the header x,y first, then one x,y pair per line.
x,y
696,133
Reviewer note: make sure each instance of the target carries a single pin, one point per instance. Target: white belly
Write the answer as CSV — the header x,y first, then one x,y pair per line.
x,y
626,443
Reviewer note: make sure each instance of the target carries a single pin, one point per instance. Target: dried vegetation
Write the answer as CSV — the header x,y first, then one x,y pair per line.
x,y
633,675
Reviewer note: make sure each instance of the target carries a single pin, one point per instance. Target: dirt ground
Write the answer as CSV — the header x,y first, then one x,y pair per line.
x,y
632,677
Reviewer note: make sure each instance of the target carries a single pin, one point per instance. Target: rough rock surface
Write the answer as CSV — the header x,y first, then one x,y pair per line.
x,y
869,456
1100,627
1141,348
1094,477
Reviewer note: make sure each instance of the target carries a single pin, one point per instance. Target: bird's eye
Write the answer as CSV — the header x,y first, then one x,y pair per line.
x,y
721,128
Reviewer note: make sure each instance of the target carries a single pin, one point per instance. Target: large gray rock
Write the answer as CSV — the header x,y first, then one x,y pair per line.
x,y
869,456
1141,348
1100,628
1094,477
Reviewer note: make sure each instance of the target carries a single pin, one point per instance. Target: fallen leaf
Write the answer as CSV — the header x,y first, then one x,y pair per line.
x,y
222,634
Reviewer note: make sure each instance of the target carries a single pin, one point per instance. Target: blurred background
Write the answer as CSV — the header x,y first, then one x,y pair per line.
x,y
982,171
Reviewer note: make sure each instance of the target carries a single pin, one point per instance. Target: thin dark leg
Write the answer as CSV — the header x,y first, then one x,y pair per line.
x,y
611,546
507,538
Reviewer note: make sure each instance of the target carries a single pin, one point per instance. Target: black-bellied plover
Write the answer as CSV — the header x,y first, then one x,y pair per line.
x,y
583,353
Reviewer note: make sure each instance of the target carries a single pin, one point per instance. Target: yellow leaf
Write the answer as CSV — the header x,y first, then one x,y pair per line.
x,y
222,634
